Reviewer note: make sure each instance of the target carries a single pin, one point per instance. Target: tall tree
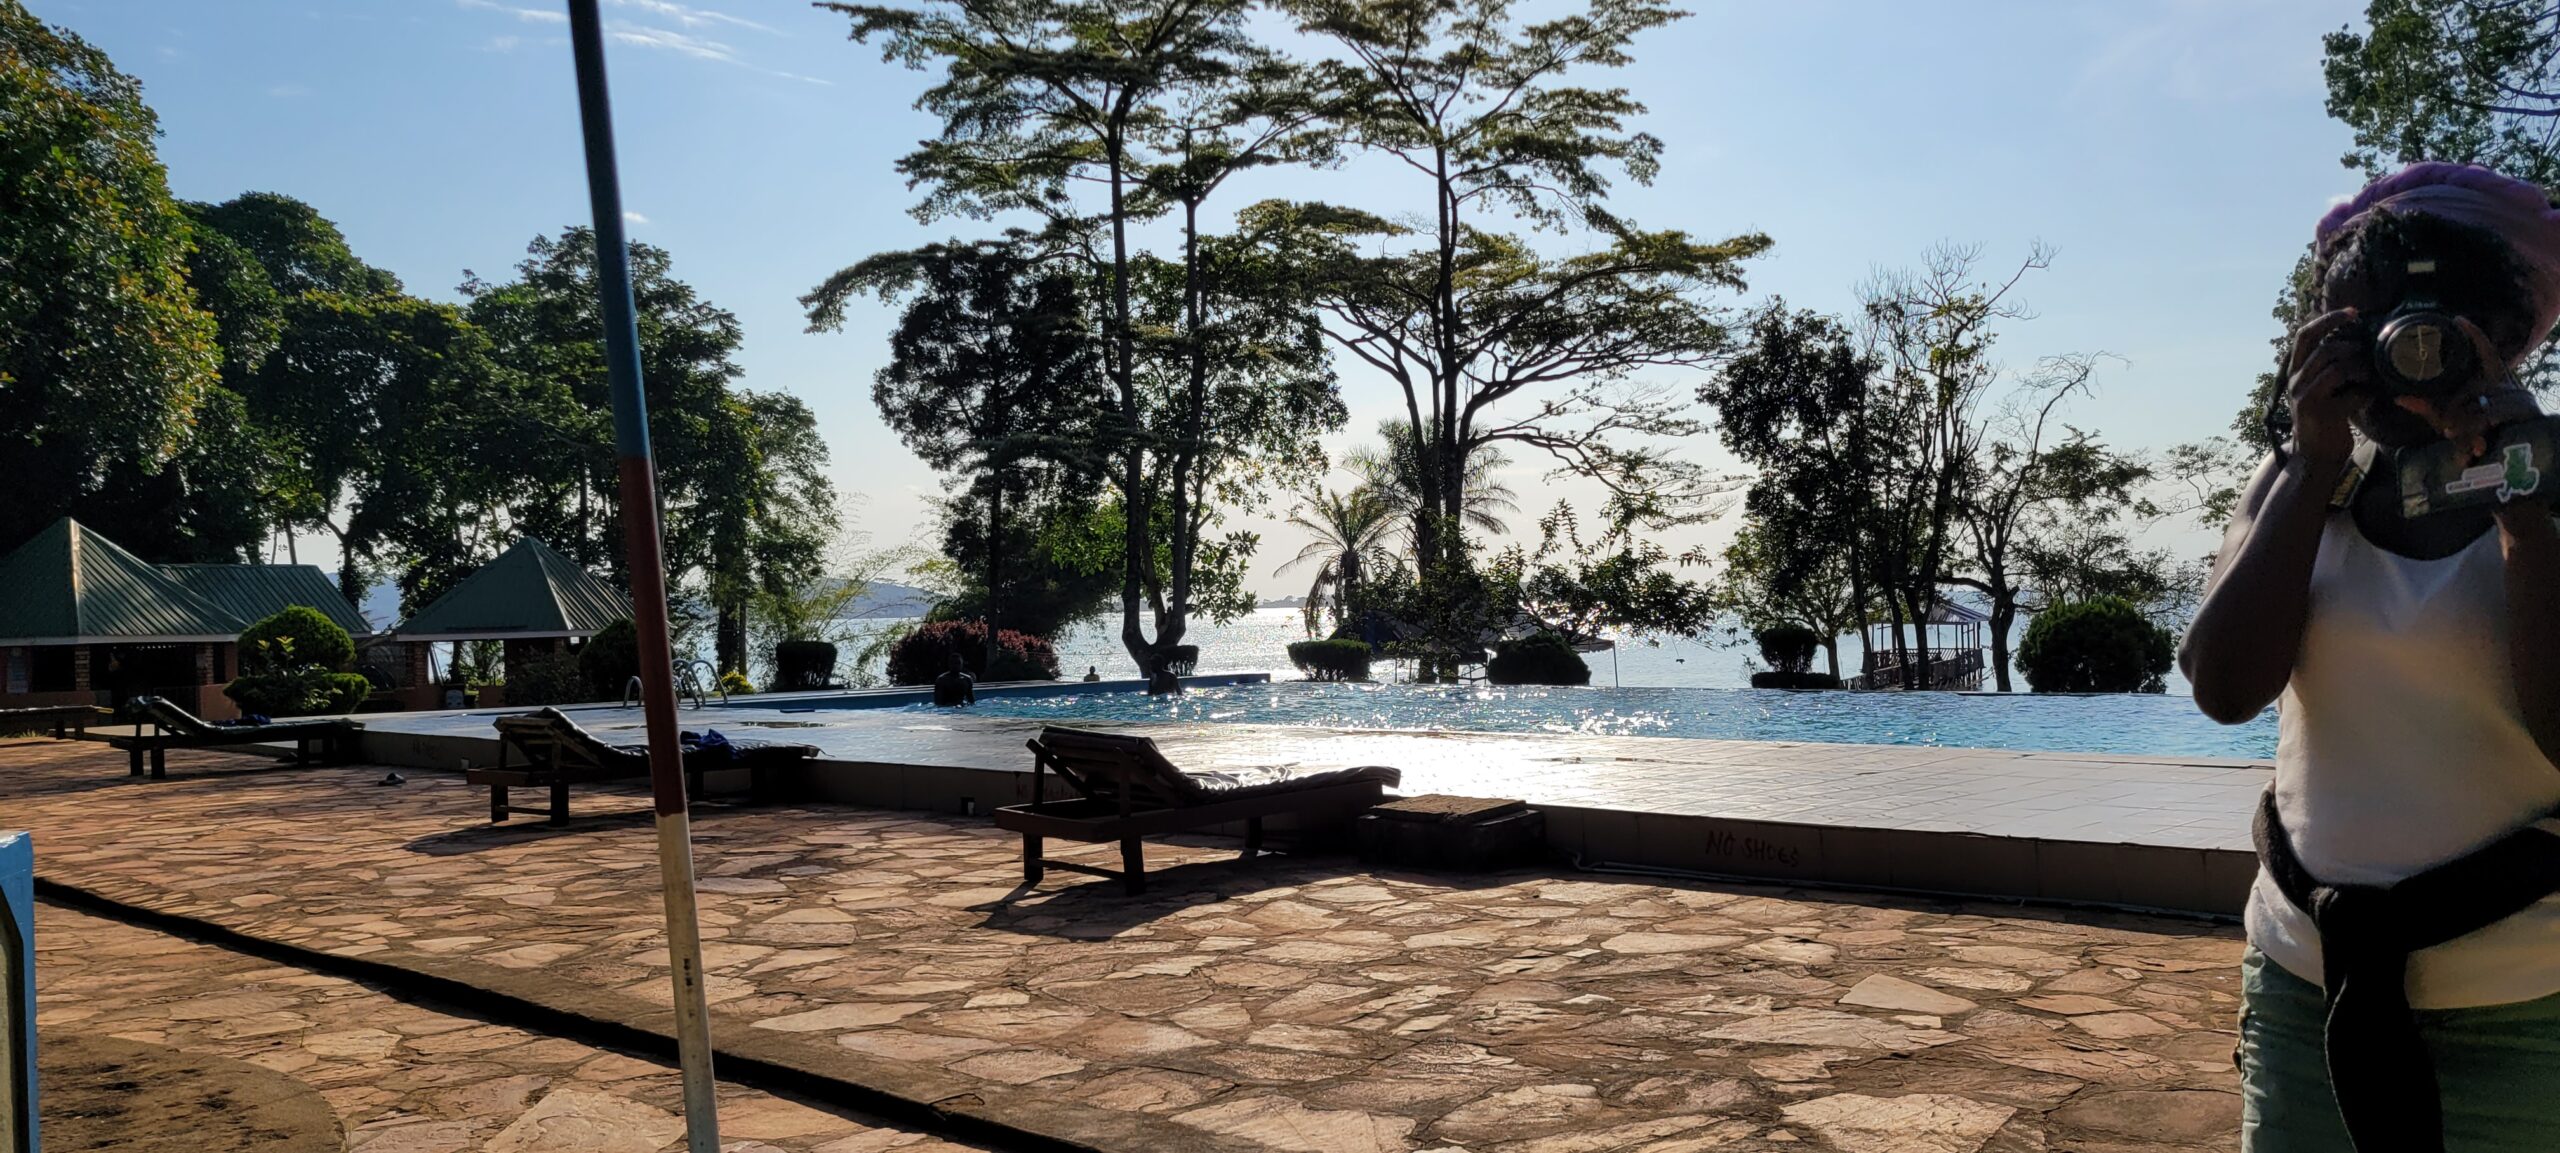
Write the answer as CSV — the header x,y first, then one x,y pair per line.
x,y
2026,465
1048,108
992,370
731,462
1348,534
2467,80
108,362
1488,339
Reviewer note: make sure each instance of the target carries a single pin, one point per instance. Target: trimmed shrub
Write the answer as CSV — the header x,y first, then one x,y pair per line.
x,y
2104,645
1789,648
306,691
552,679
1180,660
1538,659
803,665
925,653
608,661
1802,681
1342,659
735,683
292,638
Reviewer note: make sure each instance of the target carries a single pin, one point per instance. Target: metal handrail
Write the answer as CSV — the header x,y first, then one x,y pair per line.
x,y
688,684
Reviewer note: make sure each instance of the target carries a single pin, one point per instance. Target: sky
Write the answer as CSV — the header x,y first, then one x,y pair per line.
x,y
2173,153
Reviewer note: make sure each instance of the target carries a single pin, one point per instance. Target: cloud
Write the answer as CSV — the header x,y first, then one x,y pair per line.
x,y
528,15
690,17
502,43
698,47
634,217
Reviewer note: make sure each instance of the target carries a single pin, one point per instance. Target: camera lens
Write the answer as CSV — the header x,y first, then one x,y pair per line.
x,y
2423,353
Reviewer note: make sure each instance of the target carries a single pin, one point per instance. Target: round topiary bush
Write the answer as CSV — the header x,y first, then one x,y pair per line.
x,y
2104,645
925,653
1789,647
803,665
1341,659
608,661
1539,659
293,638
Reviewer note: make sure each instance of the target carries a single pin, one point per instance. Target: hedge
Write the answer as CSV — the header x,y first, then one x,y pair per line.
x,y
1539,659
1343,659
803,665
1789,648
2104,645
608,661
307,691
925,653
292,638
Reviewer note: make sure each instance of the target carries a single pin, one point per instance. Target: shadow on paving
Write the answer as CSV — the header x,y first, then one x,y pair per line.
x,y
1301,1004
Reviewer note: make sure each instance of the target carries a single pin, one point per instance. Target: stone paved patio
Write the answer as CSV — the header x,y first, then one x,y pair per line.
x,y
403,1079
1299,1005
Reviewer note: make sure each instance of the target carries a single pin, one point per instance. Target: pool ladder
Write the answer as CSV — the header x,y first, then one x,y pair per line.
x,y
690,677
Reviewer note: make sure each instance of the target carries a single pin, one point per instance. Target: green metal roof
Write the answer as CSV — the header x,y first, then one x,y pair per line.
x,y
529,591
69,585
254,592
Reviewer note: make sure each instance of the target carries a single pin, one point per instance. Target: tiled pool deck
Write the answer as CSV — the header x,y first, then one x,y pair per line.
x,y
1304,1005
2170,833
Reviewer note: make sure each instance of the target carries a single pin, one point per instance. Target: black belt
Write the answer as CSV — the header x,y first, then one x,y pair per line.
x,y
2378,1069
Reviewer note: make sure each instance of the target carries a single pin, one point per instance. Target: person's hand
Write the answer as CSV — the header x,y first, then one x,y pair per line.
x,y
2471,418
2316,391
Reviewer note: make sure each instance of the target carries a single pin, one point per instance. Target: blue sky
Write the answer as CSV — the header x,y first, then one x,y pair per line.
x,y
2174,152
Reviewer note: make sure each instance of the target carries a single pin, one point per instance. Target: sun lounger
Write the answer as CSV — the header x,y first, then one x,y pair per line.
x,y
176,728
63,720
1126,789
559,753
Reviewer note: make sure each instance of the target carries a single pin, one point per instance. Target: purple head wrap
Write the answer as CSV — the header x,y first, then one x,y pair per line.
x,y
2510,209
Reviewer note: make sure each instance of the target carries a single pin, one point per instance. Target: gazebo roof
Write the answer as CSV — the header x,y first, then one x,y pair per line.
x,y
254,592
529,591
70,586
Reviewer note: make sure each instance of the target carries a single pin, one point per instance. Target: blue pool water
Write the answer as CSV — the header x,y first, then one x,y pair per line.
x,y
2148,725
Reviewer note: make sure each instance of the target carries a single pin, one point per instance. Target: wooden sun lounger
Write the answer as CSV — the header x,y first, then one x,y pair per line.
x,y
559,753
63,720
180,729
1126,790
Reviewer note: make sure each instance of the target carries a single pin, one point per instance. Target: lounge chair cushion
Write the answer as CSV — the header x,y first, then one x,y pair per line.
x,y
1197,787
635,757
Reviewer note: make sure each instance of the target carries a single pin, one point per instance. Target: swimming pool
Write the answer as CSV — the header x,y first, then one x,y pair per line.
x,y
2143,725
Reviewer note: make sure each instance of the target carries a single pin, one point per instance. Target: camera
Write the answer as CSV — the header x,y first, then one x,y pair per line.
x,y
2418,349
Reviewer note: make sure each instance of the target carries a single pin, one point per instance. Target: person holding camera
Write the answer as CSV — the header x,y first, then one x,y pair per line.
x,y
2401,990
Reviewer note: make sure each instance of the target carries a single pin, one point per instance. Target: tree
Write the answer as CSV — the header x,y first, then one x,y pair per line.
x,y
740,473
1392,472
1489,340
1773,579
108,361
1350,531
2096,646
991,369
2009,489
1148,106
2476,81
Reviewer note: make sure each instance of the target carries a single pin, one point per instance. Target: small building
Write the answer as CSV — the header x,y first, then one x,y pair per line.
x,y
1954,636
82,621
531,598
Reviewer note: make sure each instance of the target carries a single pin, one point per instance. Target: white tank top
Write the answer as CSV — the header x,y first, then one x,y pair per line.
x,y
2400,746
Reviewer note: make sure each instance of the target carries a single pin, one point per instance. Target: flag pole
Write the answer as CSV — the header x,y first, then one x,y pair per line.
x,y
647,564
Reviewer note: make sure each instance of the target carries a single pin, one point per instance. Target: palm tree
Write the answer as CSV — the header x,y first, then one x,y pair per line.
x,y
1351,531
1394,472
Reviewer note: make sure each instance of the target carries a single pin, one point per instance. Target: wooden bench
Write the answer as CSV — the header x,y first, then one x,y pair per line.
x,y
1126,790
63,720
176,728
559,753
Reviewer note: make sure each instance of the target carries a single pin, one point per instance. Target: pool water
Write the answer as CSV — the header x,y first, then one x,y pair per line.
x,y
2142,725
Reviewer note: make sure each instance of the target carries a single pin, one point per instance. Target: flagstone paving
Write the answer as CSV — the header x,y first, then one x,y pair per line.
x,y
401,1078
1303,1004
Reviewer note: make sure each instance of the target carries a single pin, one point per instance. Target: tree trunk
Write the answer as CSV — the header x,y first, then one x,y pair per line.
x,y
730,638
1137,555
1831,651
995,563
2004,613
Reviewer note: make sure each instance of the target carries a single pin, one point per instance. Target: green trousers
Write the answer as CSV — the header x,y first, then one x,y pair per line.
x,y
2498,1067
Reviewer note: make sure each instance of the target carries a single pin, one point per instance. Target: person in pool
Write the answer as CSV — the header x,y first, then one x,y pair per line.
x,y
2401,988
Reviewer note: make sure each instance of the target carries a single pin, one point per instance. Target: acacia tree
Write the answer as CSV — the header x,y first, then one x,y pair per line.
x,y
1049,107
1489,340
991,369
2467,80
107,363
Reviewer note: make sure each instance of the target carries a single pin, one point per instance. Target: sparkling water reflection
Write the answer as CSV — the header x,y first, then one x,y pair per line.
x,y
2147,725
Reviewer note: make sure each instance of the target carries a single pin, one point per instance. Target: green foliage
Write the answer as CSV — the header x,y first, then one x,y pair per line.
x,y
736,684
2447,80
2103,645
608,660
554,678
107,359
294,637
803,665
1340,659
1537,659
925,653
305,690
1789,648
1350,532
